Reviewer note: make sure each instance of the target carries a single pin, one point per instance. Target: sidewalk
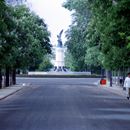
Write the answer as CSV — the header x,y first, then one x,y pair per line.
x,y
5,92
115,89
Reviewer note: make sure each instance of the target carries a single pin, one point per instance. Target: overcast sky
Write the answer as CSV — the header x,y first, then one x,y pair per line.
x,y
56,17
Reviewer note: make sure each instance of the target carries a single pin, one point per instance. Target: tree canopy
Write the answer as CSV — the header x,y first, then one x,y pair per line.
x,y
100,33
24,38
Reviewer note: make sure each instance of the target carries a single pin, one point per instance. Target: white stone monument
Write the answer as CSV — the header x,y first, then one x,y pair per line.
x,y
59,51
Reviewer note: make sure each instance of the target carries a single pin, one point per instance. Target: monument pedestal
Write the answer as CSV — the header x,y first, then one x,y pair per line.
x,y
59,50
59,63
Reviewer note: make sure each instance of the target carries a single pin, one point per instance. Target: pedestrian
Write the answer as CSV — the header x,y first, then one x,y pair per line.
x,y
127,85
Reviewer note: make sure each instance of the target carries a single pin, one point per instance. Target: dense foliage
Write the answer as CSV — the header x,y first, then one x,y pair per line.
x,y
76,34
99,34
24,40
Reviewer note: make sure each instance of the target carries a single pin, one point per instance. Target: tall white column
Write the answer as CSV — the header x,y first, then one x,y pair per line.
x,y
59,57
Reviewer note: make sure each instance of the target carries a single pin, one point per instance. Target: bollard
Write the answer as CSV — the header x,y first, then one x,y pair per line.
x,y
103,82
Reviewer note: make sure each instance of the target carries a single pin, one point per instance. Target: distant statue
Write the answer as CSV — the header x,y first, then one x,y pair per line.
x,y
59,39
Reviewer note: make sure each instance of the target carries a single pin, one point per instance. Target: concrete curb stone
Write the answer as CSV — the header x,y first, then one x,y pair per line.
x,y
8,91
115,89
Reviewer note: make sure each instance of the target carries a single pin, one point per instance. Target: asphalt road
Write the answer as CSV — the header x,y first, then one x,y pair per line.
x,y
64,104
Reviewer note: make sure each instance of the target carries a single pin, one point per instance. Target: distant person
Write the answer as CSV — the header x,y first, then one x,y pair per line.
x,y
127,85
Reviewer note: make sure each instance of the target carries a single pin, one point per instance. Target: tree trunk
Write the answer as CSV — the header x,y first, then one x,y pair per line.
x,y
0,78
118,78
123,76
14,76
110,74
7,77
109,77
102,73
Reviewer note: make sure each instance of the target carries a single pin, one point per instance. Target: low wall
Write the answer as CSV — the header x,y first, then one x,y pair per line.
x,y
59,73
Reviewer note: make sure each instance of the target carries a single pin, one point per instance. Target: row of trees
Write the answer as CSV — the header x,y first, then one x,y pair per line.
x,y
99,35
24,40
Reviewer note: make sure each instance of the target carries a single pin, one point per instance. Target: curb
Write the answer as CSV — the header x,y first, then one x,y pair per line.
x,y
10,93
115,90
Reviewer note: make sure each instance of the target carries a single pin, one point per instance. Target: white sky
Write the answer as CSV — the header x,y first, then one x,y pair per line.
x,y
55,16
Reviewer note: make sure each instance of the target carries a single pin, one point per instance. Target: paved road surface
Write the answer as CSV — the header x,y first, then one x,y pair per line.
x,y
64,104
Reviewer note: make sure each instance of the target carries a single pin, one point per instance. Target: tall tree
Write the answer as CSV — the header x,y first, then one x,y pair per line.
x,y
32,38
24,39
77,32
104,30
6,37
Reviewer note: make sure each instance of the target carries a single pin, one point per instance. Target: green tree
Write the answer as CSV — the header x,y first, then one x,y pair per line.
x,y
77,32
46,64
112,27
33,38
101,30
7,37
24,39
